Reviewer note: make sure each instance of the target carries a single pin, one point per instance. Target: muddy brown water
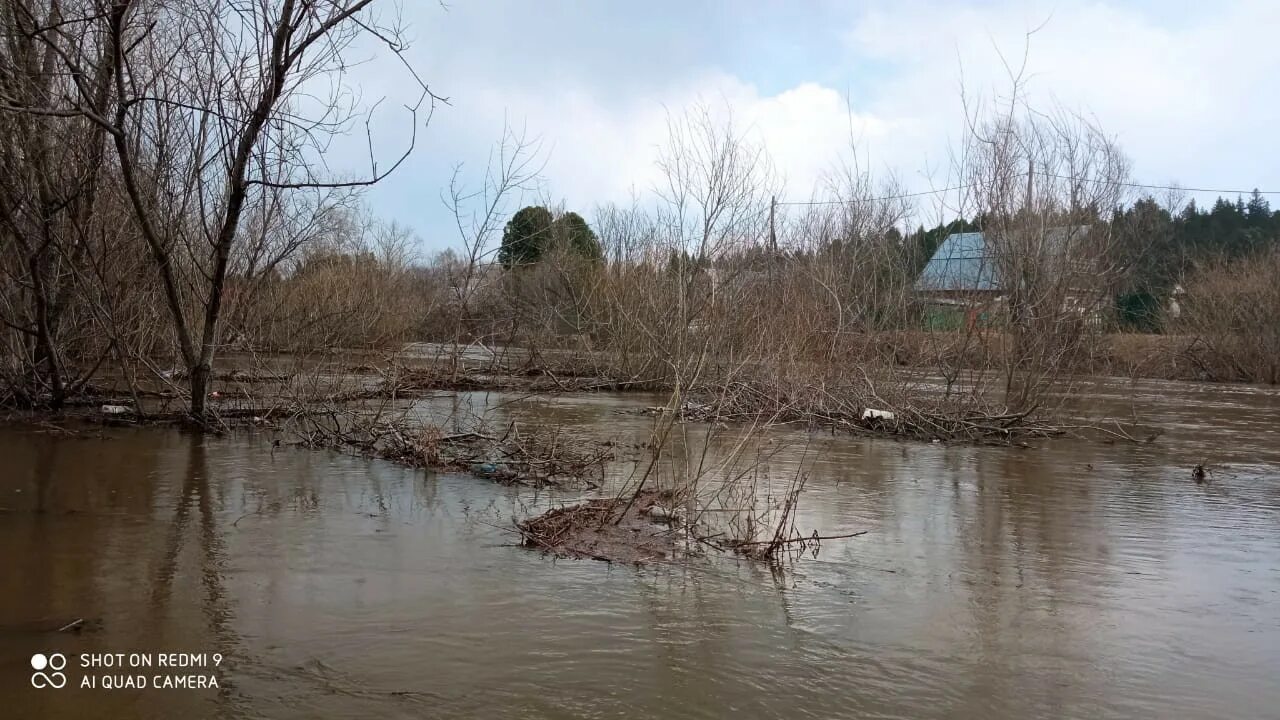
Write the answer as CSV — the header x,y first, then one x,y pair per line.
x,y
1076,579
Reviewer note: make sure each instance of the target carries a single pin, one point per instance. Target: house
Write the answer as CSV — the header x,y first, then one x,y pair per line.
x,y
961,283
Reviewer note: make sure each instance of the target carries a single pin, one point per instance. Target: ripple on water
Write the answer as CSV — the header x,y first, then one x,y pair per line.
x,y
1076,579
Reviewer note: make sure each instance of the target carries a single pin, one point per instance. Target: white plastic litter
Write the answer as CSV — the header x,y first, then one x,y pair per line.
x,y
870,414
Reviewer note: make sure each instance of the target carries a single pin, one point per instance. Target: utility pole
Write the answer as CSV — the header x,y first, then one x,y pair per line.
x,y
773,231
1031,174
773,236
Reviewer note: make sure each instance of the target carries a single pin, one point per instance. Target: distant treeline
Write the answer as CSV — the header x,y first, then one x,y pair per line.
x,y
1165,248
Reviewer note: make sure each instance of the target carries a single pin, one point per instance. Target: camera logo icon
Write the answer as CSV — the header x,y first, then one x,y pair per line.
x,y
55,678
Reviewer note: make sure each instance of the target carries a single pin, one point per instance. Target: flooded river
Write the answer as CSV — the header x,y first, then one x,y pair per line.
x,y
1076,579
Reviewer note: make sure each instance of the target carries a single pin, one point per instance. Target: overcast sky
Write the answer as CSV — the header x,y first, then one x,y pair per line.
x,y
1188,88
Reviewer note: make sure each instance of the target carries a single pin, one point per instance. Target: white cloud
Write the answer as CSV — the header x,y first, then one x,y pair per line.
x,y
599,153
1188,102
1186,91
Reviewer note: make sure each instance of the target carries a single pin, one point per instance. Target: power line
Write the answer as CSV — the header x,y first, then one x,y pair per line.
x,y
1165,187
903,196
966,186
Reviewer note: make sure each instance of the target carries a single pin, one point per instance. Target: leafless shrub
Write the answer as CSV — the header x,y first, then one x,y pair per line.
x,y
353,287
1230,311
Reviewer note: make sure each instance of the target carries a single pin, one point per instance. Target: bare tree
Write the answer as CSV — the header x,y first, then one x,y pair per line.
x,y
56,221
714,196
212,109
1043,187
513,168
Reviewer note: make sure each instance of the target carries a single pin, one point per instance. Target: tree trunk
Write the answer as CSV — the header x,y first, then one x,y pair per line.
x,y
200,375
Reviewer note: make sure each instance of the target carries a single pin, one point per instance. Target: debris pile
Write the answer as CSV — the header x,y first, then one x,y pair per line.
x,y
609,529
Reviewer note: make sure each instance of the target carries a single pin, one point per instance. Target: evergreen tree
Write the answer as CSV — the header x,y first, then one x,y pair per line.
x,y
1146,245
533,231
573,233
1258,211
526,237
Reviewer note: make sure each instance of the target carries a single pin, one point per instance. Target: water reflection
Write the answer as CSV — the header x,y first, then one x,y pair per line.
x,y
1076,579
